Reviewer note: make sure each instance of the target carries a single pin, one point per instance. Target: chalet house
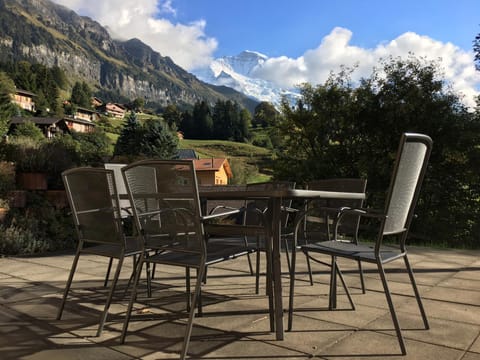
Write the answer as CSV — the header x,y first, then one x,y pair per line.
x,y
24,99
116,110
86,114
54,126
96,102
213,171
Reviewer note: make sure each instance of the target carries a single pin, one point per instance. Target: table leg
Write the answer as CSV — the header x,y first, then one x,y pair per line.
x,y
276,266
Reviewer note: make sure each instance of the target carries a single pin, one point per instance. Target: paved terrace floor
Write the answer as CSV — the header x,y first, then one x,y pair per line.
x,y
235,324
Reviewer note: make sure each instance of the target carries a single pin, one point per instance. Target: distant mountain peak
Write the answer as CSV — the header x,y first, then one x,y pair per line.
x,y
238,72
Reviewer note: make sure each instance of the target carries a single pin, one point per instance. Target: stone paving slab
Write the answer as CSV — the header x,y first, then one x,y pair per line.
x,y
235,324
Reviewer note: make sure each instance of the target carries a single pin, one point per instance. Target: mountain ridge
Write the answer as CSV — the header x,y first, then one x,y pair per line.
x,y
51,34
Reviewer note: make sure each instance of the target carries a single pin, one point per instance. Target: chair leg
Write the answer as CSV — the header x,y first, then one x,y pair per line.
x,y
191,316
332,302
149,281
257,273
187,287
199,299
362,279
132,275
103,318
245,239
108,272
287,254
417,293
309,269
340,275
392,308
69,283
292,289
132,298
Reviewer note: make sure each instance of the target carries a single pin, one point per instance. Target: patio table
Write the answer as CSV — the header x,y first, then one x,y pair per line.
x,y
274,197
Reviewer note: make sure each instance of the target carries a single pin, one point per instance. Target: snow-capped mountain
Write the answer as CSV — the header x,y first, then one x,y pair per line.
x,y
238,72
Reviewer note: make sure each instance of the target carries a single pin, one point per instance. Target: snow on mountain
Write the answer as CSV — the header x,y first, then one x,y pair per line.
x,y
237,72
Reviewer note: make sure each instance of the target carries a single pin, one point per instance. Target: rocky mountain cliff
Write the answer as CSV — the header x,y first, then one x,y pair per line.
x,y
45,32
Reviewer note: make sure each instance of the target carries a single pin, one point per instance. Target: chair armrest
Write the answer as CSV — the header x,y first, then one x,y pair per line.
x,y
231,211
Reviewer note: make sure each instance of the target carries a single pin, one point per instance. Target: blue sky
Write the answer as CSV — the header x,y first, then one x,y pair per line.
x,y
305,39
276,27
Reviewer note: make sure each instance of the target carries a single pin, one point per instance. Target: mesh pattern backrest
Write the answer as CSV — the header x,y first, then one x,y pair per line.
x,y
349,225
165,203
95,205
405,183
253,218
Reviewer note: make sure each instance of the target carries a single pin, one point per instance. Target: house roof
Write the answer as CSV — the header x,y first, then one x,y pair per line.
x,y
25,92
46,120
35,120
186,154
212,164
85,110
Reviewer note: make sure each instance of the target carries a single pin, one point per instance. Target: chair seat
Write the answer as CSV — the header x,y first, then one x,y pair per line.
x,y
234,229
350,250
216,252
133,246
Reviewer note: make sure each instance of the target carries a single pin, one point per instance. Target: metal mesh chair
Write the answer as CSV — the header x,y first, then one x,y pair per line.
x,y
322,212
166,209
251,228
95,207
394,221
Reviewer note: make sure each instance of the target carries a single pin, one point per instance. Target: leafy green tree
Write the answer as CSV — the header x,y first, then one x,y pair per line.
x,y
158,141
138,104
338,130
81,94
130,137
28,129
7,108
202,121
264,114
153,139
172,115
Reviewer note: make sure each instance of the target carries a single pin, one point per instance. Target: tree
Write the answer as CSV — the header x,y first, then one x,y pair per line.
x,y
172,115
28,129
158,141
130,137
337,130
153,139
202,121
138,104
7,108
264,114
81,94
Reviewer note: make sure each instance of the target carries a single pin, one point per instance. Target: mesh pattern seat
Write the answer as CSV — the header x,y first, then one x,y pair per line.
x,y
95,205
393,221
166,209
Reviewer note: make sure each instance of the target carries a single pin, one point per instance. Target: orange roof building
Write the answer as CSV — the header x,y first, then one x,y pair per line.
x,y
212,171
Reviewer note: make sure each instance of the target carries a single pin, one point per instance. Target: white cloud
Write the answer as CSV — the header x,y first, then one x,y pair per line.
x,y
335,50
186,44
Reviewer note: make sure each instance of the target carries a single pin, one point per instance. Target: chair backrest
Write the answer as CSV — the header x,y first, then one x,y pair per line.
x,y
349,225
121,188
408,173
251,218
165,204
95,205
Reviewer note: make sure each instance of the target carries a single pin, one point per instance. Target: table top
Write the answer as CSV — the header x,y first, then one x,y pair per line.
x,y
279,193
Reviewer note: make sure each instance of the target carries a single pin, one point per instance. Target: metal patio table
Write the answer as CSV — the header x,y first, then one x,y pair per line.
x,y
274,197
